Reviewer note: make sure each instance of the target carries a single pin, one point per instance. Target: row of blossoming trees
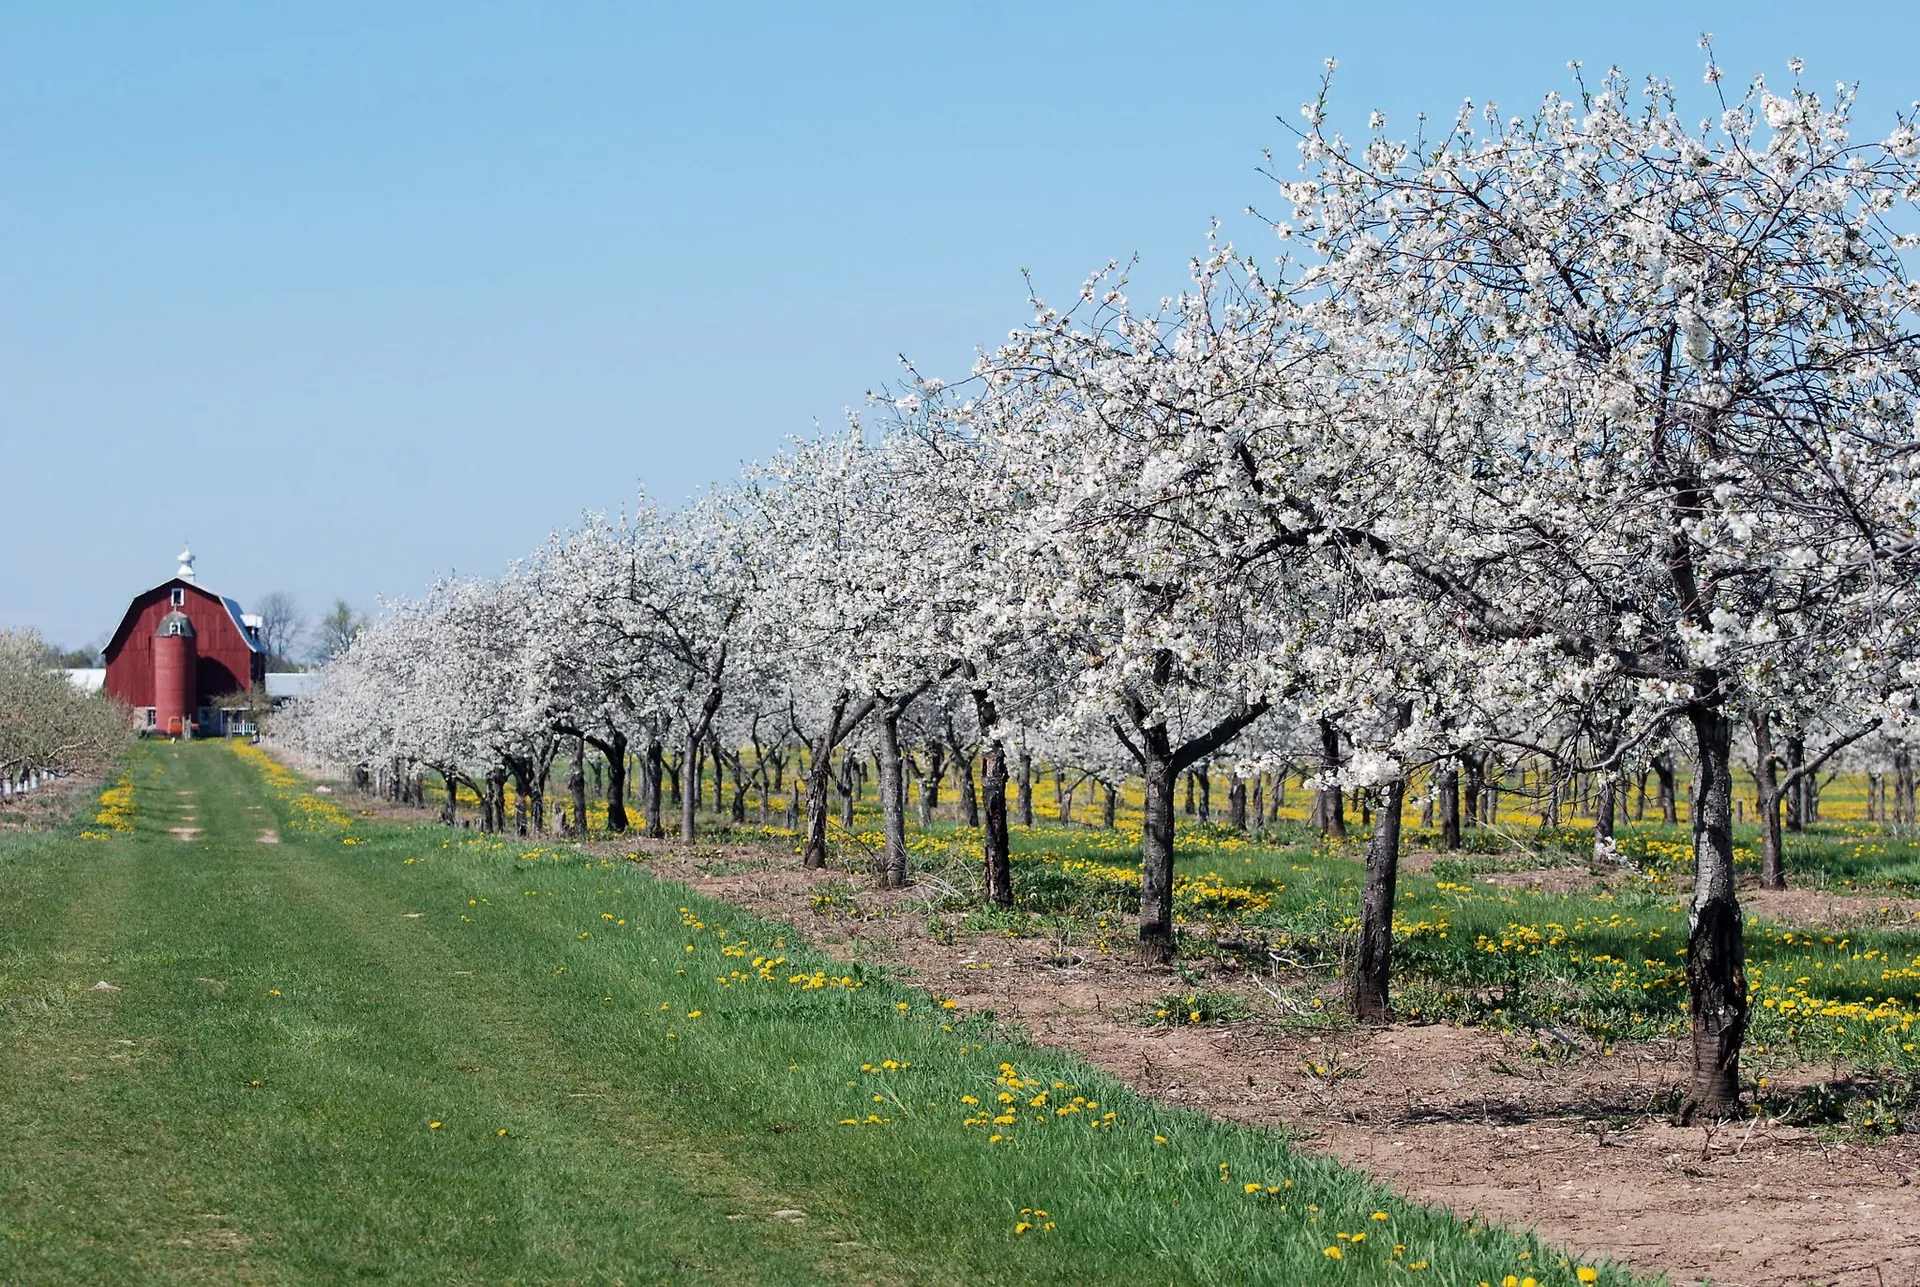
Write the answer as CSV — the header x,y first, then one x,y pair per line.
x,y
1576,435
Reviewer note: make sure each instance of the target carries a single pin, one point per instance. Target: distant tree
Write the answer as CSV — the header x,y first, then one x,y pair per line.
x,y
70,658
282,628
46,724
335,631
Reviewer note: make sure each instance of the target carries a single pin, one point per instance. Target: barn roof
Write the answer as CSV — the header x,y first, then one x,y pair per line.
x,y
231,605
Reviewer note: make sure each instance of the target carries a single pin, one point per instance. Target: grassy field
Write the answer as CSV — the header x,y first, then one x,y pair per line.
x,y
370,1053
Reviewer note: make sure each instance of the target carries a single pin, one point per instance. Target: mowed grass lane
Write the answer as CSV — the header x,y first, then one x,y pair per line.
x,y
366,1053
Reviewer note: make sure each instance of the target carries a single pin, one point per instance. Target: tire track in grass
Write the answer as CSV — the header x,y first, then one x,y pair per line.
x,y
274,1122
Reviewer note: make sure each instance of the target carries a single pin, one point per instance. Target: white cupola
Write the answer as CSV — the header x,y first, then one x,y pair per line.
x,y
185,570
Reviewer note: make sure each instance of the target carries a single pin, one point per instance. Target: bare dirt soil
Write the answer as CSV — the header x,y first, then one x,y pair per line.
x,y
52,803
1575,1144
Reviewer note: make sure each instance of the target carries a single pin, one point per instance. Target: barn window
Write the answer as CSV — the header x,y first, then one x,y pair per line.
x,y
179,596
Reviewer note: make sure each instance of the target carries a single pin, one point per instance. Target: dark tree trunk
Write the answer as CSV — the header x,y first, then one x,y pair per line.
x,y
1797,818
820,779
996,847
1191,808
1259,801
819,793
893,801
1237,802
930,785
654,781
1206,793
1156,853
1665,775
690,789
1373,954
577,786
1604,849
926,784
1473,787
451,813
1109,805
1333,811
614,748
1449,808
1766,803
1716,960
1023,796
969,796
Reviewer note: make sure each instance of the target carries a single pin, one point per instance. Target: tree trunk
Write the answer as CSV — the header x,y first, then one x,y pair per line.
x,y
1156,855
690,789
1237,802
893,802
995,845
1023,796
654,781
1716,962
1333,813
1259,801
1110,805
1449,808
1665,775
927,797
969,796
936,769
819,792
1605,851
1473,787
1373,954
615,750
577,786
451,813
1796,756
1766,803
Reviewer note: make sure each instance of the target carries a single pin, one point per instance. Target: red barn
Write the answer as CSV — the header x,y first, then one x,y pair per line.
x,y
180,647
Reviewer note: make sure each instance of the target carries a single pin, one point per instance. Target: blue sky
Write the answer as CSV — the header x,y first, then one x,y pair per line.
x,y
354,294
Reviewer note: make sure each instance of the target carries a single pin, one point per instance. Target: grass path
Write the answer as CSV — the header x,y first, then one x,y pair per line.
x,y
373,1054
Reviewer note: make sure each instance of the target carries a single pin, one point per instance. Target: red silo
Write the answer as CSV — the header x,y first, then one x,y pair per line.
x,y
176,662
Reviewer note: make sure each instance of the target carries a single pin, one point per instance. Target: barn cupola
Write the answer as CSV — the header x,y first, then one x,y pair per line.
x,y
185,570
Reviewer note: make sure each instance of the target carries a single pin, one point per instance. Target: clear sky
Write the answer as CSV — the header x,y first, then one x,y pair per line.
x,y
351,294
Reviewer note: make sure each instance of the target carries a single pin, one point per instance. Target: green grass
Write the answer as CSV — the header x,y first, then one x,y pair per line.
x,y
621,1102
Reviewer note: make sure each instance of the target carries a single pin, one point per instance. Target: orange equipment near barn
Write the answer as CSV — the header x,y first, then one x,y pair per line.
x,y
180,647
